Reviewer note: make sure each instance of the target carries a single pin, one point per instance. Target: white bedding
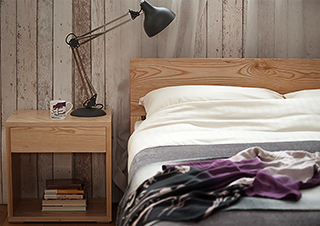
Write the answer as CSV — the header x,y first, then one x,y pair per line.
x,y
228,121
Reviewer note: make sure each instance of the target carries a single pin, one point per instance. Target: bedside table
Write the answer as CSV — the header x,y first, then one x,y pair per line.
x,y
33,131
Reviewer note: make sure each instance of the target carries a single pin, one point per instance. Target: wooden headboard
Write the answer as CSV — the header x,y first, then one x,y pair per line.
x,y
280,75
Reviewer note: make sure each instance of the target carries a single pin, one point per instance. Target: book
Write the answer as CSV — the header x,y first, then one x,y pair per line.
x,y
63,184
65,202
64,208
63,191
62,196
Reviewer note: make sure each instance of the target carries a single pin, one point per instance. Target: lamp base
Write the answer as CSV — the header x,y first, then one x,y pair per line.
x,y
88,112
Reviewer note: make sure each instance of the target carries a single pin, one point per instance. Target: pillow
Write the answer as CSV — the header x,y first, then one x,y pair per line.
x,y
303,94
160,98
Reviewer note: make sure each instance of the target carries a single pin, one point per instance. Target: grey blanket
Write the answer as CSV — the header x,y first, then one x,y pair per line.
x,y
249,210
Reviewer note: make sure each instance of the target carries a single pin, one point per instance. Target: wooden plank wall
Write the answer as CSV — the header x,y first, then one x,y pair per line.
x,y
36,65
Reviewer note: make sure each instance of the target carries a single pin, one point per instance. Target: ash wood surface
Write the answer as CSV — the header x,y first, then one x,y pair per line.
x,y
4,220
35,132
280,75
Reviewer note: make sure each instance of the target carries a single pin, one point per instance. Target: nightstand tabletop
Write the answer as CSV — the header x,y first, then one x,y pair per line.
x,y
42,118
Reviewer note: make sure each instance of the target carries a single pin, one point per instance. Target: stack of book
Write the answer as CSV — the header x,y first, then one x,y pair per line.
x,y
64,195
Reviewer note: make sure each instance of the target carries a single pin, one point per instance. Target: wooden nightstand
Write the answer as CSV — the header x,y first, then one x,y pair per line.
x,y
33,131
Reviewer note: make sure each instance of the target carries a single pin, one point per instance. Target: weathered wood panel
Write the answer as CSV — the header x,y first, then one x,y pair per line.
x,y
45,76
150,45
62,73
113,74
200,42
8,78
81,25
311,9
281,29
296,29
98,80
250,26
232,28
266,21
214,29
27,85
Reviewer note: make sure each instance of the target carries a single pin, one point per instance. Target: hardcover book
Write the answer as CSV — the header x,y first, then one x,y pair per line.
x,y
63,183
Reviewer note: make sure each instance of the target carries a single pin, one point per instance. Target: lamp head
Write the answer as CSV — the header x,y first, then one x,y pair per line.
x,y
156,18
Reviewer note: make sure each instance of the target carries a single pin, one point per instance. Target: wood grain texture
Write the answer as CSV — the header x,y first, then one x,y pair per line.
x,y
280,75
8,78
214,28
266,20
295,26
57,139
62,73
81,25
281,30
149,49
250,29
45,78
30,130
232,28
44,53
27,83
99,82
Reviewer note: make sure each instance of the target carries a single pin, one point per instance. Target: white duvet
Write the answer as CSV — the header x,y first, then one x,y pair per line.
x,y
229,121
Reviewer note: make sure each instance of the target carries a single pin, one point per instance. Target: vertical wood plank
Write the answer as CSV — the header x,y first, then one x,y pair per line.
x,y
62,73
83,170
281,28
44,53
98,80
311,9
149,47
200,48
113,73
45,92
296,29
214,29
129,48
251,29
232,28
266,28
26,55
167,39
8,78
1,182
185,37
27,85
81,25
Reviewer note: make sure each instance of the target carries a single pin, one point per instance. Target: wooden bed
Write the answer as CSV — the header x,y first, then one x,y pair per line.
x,y
280,75
218,129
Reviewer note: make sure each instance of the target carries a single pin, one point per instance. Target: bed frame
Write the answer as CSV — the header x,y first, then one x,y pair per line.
x,y
281,75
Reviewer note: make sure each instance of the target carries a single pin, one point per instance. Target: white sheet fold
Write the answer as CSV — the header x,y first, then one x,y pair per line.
x,y
230,121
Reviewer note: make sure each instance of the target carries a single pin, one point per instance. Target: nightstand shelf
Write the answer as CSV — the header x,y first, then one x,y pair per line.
x,y
29,210
35,132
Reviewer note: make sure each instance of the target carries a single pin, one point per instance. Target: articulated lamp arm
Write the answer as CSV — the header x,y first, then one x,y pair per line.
x,y
156,19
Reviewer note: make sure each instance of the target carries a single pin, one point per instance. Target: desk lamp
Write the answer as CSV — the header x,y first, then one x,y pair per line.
x,y
156,19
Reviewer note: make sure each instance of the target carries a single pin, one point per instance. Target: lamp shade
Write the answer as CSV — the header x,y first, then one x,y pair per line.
x,y
156,18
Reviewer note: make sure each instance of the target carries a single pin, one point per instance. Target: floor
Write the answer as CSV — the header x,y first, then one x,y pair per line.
x,y
4,220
